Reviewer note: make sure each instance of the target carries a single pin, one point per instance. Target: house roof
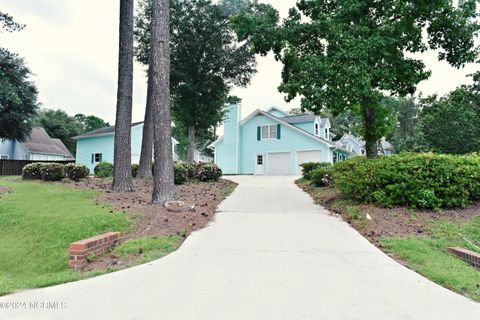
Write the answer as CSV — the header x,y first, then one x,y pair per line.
x,y
306,117
103,131
278,109
40,142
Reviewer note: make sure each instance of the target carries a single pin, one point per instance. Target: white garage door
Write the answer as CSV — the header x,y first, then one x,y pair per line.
x,y
308,156
279,164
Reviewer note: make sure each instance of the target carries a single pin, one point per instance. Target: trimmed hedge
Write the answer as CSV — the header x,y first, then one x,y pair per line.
x,y
322,176
53,172
308,167
429,181
180,173
76,172
103,170
33,171
208,172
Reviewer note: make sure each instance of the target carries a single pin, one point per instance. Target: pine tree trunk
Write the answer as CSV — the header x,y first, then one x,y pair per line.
x,y
370,140
191,144
159,77
122,173
145,166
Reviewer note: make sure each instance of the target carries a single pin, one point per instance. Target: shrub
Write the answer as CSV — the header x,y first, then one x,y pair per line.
x,y
134,169
180,173
76,172
208,172
103,170
322,176
191,169
53,172
33,171
428,180
308,167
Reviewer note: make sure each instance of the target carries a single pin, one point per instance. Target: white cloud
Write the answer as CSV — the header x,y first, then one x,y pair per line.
x,y
71,47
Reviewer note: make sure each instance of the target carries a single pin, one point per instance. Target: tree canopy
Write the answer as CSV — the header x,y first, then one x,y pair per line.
x,y
18,97
206,60
60,125
451,124
346,55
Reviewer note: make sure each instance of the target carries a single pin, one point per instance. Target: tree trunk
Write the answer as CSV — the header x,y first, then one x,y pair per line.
x,y
191,144
122,173
145,166
370,140
159,78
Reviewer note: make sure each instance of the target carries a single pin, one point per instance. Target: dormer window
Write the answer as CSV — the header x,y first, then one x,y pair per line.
x,y
327,134
317,129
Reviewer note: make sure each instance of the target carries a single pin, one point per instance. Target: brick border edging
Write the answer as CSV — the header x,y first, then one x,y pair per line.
x,y
98,245
471,257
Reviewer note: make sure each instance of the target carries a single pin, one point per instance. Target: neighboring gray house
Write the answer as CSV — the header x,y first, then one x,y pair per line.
x,y
357,145
37,146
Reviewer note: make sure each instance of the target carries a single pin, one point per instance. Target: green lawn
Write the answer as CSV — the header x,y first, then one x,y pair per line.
x,y
429,257
38,221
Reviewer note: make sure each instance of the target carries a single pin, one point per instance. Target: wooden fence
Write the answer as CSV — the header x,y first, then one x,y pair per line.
x,y
14,167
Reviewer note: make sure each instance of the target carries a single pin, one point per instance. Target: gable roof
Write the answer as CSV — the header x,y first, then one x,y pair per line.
x,y
103,131
279,110
306,117
40,142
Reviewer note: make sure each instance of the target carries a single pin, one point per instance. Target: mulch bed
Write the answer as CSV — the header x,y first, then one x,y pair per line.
x,y
155,220
386,222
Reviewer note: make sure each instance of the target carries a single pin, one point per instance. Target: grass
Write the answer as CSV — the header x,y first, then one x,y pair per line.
x,y
429,257
149,248
38,221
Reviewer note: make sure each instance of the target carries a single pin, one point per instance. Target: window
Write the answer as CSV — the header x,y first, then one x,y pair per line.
x,y
317,129
4,157
269,132
259,160
326,134
96,157
25,157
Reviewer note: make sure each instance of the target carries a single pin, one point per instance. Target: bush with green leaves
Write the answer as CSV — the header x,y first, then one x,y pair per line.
x,y
191,169
180,173
53,171
308,167
33,171
103,170
322,176
76,172
429,181
134,169
208,172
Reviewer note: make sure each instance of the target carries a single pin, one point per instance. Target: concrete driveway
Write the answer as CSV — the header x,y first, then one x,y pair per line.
x,y
270,254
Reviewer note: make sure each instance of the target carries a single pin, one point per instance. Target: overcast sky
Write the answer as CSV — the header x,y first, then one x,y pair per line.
x,y
71,46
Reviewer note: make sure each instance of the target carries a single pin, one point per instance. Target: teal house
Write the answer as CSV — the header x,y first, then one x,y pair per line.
x,y
97,146
274,142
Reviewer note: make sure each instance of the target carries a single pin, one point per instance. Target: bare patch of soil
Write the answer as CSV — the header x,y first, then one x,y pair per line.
x,y
155,220
3,190
385,222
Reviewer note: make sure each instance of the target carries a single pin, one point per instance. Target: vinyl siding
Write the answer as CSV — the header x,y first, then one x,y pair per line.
x,y
230,145
278,114
307,126
104,145
6,148
290,141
